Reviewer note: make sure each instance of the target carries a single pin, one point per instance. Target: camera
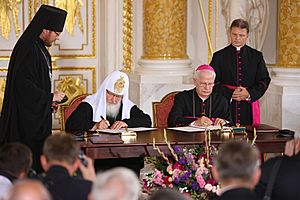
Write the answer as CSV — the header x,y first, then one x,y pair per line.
x,y
82,158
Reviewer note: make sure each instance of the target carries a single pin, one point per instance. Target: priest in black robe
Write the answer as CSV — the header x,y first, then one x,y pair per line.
x,y
27,106
110,107
200,106
242,76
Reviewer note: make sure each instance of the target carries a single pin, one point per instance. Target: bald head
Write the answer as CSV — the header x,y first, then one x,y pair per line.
x,y
28,190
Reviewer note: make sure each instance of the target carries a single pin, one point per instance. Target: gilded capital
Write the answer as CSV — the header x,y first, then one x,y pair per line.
x,y
164,29
288,34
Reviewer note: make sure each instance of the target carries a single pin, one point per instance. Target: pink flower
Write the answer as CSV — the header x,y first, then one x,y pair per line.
x,y
176,173
200,181
171,185
170,169
157,177
208,187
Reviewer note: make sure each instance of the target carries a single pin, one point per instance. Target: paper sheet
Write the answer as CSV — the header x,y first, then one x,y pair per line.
x,y
194,128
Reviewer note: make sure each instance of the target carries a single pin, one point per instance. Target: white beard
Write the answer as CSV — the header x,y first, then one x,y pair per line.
x,y
112,110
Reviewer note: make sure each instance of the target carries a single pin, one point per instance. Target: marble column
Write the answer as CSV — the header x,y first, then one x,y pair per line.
x,y
283,96
164,65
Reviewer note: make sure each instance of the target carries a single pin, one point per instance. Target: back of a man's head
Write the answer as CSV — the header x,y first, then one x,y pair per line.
x,y
15,158
237,160
116,184
61,148
167,194
28,190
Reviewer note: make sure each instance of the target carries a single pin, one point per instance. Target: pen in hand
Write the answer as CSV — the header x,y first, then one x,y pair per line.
x,y
106,121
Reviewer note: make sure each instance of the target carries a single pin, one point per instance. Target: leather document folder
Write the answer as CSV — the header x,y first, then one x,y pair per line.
x,y
106,139
262,128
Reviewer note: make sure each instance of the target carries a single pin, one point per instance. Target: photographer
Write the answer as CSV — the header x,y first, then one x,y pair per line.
x,y
60,160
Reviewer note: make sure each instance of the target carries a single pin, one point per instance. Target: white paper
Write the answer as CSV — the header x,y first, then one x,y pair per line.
x,y
193,128
137,129
185,129
114,131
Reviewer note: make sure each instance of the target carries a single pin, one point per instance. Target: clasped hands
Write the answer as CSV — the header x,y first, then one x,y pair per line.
x,y
104,124
240,94
205,121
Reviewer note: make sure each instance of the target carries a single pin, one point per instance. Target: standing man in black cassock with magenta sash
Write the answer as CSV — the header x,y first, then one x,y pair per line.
x,y
28,102
242,76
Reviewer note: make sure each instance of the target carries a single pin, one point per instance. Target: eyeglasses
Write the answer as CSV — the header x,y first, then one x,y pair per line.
x,y
202,84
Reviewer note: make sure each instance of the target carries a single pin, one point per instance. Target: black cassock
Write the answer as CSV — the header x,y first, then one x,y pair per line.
x,y
26,112
188,107
245,68
82,118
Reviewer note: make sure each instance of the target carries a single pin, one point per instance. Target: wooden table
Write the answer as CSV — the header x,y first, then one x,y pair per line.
x,y
142,144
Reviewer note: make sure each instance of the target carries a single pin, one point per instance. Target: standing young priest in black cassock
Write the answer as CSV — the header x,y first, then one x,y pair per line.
x,y
200,106
27,107
242,76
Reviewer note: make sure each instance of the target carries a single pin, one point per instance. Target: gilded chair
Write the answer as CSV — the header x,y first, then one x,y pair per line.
x,y
161,110
66,110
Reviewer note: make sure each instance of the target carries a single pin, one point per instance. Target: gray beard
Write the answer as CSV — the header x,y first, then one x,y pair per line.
x,y
112,110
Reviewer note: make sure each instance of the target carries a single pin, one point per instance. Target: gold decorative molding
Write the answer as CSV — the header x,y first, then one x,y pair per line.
x,y
127,35
74,14
7,8
209,56
288,53
70,68
164,29
2,89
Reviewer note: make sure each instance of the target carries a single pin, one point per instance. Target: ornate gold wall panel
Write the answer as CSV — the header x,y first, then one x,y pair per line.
x,y
73,81
289,37
76,41
164,31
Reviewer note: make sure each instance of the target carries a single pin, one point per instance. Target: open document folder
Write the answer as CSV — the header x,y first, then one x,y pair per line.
x,y
194,128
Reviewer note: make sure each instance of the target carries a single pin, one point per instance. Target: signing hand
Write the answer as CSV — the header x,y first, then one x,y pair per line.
x,y
240,94
103,124
219,121
203,121
118,125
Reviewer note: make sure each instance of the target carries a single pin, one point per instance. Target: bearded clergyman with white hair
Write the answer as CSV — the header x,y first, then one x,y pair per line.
x,y
109,107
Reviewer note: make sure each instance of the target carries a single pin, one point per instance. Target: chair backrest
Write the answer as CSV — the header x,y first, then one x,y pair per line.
x,y
66,110
161,110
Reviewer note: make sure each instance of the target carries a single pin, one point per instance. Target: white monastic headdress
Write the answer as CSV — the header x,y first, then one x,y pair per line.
x,y
116,82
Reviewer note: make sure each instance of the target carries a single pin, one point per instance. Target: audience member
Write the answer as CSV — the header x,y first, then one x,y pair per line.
x,y
15,162
116,184
286,178
200,106
167,194
236,168
28,190
60,160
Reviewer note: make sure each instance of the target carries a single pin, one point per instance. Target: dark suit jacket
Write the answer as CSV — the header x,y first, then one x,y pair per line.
x,y
62,186
286,185
238,194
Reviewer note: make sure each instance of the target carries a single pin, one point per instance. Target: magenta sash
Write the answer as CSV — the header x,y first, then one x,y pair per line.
x,y
254,105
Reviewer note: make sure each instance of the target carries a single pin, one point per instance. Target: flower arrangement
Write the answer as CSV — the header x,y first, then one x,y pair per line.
x,y
188,169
